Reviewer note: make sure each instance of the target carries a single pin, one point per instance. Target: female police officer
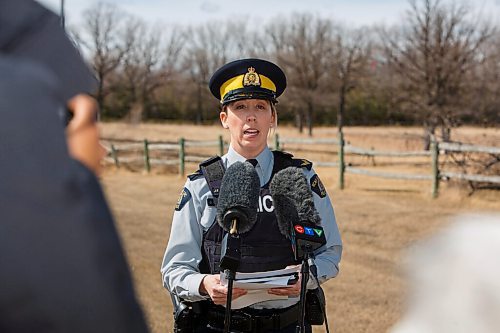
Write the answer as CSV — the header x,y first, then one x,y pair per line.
x,y
247,90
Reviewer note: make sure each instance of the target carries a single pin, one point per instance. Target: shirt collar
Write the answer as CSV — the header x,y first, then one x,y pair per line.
x,y
264,168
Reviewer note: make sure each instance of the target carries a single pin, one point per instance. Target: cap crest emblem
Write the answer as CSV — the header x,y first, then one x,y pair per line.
x,y
251,78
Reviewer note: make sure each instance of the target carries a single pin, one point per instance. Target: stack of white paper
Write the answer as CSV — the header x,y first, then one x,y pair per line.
x,y
257,284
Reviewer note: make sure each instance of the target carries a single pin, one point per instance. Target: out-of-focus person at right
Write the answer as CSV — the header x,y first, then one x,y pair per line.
x,y
454,279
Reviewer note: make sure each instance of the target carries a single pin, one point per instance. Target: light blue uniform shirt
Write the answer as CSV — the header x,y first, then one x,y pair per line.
x,y
183,254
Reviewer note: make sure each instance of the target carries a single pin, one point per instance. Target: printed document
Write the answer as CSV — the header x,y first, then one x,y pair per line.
x,y
257,284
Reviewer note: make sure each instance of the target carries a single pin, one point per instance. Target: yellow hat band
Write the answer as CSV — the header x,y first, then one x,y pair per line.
x,y
237,83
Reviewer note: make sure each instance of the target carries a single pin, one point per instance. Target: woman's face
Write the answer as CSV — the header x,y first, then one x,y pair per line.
x,y
248,121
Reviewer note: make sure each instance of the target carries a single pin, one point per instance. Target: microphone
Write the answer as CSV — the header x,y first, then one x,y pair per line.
x,y
297,217
239,198
237,209
298,220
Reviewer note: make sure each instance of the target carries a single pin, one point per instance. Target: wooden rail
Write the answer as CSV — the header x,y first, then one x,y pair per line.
x,y
371,152
461,147
179,157
114,147
435,177
387,175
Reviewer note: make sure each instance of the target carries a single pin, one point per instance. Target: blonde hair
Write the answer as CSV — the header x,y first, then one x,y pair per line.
x,y
275,124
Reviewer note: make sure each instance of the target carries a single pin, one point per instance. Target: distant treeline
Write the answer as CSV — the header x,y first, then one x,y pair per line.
x,y
439,68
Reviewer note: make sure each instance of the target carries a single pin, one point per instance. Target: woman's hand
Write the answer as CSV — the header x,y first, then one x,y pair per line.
x,y
210,285
293,290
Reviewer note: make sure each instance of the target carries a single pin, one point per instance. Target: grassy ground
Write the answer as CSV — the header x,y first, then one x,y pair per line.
x,y
378,220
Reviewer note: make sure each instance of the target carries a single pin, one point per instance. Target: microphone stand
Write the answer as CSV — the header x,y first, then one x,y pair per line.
x,y
230,275
303,289
229,262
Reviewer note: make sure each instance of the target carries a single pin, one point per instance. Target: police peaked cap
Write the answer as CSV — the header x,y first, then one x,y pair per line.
x,y
248,79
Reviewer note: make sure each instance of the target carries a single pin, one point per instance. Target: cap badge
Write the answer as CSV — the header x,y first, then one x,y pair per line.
x,y
251,78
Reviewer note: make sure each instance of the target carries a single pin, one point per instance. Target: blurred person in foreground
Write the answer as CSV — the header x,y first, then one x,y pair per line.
x,y
247,90
459,289
28,31
62,268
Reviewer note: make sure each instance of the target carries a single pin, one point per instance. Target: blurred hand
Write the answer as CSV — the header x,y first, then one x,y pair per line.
x,y
82,132
210,285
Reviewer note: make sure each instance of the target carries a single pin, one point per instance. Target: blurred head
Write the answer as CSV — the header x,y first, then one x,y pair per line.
x,y
83,134
454,279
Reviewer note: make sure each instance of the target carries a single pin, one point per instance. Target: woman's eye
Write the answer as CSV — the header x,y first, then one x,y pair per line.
x,y
240,107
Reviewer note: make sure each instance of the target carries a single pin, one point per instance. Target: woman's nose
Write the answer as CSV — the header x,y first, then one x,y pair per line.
x,y
251,115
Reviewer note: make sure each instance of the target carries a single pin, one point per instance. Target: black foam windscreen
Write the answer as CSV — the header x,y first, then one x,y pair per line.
x,y
239,197
293,200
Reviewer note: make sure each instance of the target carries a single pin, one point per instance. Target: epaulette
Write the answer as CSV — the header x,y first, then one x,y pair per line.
x,y
283,160
282,153
302,163
195,175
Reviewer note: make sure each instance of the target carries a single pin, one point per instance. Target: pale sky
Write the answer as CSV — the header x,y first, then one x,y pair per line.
x,y
191,12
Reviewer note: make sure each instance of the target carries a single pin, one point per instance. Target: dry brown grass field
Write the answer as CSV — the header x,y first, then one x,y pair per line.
x,y
378,218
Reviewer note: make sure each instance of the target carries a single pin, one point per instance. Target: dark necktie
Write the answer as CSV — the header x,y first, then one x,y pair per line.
x,y
253,162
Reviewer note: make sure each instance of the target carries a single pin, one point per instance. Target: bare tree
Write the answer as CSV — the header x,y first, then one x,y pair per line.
x,y
351,57
433,54
149,64
302,45
103,39
485,95
208,47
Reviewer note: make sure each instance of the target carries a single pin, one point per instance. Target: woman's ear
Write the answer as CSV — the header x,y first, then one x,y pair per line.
x,y
223,119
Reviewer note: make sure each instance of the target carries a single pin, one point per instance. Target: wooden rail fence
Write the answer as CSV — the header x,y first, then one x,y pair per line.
x,y
179,157
114,147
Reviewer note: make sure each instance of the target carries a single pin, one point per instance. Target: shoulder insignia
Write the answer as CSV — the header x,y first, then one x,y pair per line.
x,y
184,197
317,186
302,163
195,175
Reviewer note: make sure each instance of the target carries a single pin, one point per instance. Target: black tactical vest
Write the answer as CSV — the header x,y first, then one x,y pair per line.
x,y
263,248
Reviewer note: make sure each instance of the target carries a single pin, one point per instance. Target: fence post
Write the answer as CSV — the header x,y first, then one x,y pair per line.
x,y
221,146
435,167
114,155
276,141
341,160
147,165
181,157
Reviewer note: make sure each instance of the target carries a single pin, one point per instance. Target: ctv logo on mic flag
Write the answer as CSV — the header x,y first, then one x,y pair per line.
x,y
306,238
308,231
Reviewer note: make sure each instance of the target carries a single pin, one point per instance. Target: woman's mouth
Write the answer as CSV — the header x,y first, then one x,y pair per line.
x,y
251,132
